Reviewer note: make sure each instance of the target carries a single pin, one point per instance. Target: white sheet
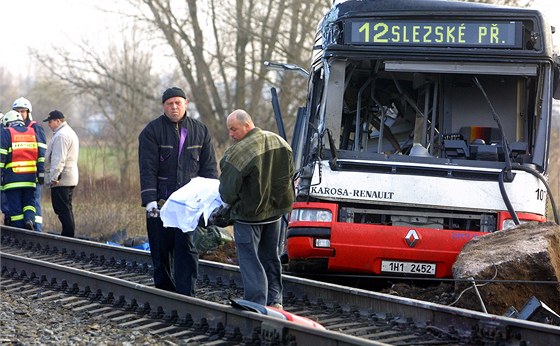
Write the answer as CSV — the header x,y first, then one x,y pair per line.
x,y
185,206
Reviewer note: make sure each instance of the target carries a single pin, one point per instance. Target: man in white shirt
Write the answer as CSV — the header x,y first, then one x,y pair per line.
x,y
61,167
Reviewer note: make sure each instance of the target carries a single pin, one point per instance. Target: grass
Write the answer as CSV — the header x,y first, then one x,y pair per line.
x,y
101,208
98,220
99,161
102,205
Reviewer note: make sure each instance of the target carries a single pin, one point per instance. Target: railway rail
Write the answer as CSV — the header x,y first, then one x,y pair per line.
x,y
116,282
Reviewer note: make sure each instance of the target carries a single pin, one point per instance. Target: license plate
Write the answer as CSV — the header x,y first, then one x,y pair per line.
x,y
408,267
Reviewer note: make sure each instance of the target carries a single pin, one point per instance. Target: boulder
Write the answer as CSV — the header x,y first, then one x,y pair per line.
x,y
528,253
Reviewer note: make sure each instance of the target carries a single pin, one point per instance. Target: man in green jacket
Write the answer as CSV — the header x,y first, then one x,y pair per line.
x,y
256,181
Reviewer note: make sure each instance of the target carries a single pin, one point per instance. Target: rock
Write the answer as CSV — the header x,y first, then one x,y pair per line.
x,y
529,252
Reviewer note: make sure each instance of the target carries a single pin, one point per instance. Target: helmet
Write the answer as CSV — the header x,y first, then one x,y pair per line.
x,y
10,117
22,102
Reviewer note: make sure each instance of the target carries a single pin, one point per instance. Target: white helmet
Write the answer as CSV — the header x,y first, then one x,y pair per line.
x,y
10,117
22,102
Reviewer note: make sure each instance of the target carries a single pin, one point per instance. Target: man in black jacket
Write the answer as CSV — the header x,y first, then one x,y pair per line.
x,y
173,149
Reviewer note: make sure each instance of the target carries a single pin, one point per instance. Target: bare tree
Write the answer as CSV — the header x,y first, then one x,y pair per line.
x,y
44,92
47,94
121,86
220,49
8,88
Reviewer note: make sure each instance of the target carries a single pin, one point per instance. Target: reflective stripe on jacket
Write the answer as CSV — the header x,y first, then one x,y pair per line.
x,y
21,158
25,152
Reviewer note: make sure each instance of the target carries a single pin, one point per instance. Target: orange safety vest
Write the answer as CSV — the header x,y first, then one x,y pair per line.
x,y
25,151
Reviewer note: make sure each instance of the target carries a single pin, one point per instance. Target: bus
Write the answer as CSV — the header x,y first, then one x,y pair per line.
x,y
427,123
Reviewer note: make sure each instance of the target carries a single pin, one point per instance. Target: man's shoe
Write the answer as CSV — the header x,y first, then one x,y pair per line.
x,y
277,306
29,225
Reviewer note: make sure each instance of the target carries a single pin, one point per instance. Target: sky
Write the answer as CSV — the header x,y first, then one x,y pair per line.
x,y
43,24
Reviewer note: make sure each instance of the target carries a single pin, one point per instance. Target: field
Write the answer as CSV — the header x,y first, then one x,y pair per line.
x,y
101,208
102,205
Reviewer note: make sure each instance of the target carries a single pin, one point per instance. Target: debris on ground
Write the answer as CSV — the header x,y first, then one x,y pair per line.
x,y
206,240
225,253
442,293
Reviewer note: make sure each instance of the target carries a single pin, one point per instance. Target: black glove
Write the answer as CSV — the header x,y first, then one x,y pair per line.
x,y
220,216
40,180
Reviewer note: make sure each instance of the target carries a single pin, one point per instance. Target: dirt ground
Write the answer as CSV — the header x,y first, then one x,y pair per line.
x,y
441,294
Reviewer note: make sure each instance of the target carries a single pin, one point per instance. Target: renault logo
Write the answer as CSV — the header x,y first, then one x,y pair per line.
x,y
411,238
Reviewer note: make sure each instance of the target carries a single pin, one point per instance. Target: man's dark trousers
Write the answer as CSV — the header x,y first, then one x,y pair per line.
x,y
172,249
61,197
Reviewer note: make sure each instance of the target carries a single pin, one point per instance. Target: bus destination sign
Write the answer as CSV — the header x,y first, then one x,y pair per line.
x,y
440,33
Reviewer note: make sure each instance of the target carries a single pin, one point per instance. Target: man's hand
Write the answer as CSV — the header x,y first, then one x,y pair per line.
x,y
220,216
152,209
41,178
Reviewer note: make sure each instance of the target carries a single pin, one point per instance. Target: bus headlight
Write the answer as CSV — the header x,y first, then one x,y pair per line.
x,y
322,243
313,215
509,223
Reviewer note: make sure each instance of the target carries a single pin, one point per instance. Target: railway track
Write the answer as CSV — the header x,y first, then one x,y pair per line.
x,y
116,282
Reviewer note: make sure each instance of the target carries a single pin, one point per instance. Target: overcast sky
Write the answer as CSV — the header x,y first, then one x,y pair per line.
x,y
44,23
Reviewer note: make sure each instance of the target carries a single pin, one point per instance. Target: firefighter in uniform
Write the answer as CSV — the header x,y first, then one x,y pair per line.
x,y
21,166
3,205
23,106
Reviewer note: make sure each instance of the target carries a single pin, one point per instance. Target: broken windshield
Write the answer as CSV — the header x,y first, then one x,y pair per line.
x,y
452,111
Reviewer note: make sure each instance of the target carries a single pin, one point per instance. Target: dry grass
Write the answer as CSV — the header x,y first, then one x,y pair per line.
x,y
102,207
